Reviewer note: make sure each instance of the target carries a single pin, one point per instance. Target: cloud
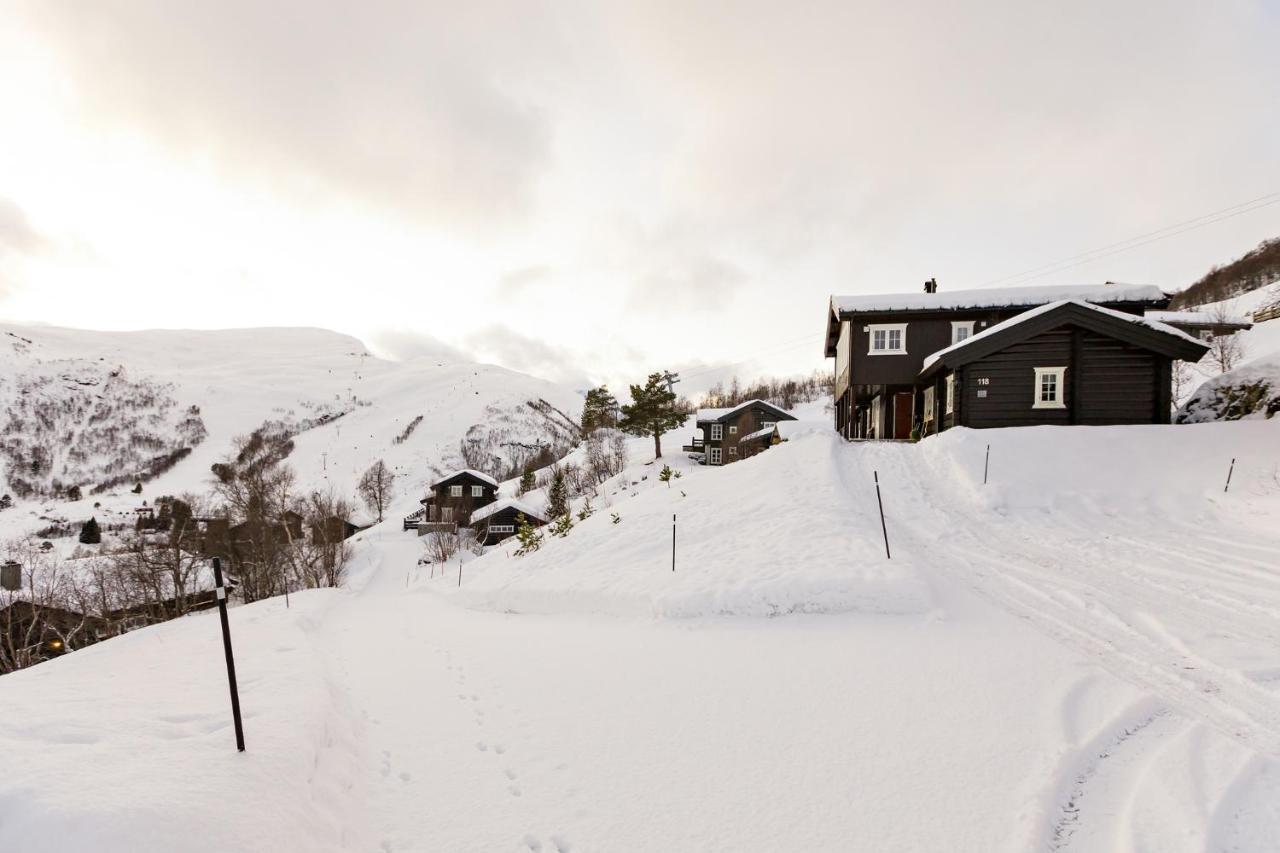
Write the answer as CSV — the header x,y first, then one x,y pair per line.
x,y
406,344
505,346
417,106
17,237
519,282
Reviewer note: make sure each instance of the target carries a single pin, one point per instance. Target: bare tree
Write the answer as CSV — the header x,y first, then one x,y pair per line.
x,y
1182,376
377,487
1226,351
47,615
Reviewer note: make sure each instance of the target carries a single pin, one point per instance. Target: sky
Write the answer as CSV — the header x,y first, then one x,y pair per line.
x,y
590,191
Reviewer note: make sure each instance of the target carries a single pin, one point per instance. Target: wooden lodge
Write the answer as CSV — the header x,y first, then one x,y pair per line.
x,y
914,364
454,498
501,519
719,440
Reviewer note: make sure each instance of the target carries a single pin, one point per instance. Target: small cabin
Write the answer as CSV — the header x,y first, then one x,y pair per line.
x,y
721,431
455,496
501,519
1205,325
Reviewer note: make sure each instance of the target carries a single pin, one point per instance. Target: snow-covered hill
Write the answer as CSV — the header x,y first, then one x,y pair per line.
x,y
1082,656
1252,388
347,406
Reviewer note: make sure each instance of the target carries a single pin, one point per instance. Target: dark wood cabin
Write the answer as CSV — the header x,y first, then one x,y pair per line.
x,y
454,497
333,530
33,633
501,519
288,529
720,431
880,342
1065,363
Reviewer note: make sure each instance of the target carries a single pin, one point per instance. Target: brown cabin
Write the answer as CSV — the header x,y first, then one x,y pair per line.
x,y
881,343
454,497
719,440
500,520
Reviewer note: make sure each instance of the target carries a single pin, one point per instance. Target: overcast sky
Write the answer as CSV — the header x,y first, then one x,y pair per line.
x,y
588,190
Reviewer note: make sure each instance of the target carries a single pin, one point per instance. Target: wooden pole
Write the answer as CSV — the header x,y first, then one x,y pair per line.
x,y
986,465
226,648
1229,472
883,528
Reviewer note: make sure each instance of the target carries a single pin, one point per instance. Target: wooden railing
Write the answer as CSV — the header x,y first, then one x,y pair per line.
x,y
1271,312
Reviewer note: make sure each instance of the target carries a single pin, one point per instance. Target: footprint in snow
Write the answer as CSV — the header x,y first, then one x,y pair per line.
x,y
482,746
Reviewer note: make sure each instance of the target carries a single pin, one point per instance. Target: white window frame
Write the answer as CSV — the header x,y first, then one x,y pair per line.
x,y
714,456
477,491
888,329
733,429
951,394
717,432
1060,388
956,326
768,424
455,491
502,528
733,451
928,404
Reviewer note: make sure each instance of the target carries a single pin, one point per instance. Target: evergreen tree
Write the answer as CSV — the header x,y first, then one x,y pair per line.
x,y
599,410
562,525
653,409
528,481
90,534
74,493
5,501
137,488
529,536
587,510
557,494
665,475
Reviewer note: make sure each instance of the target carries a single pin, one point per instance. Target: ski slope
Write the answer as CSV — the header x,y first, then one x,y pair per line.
x,y
1089,661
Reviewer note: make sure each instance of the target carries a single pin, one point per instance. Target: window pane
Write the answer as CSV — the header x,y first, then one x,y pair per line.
x,y
878,339
895,339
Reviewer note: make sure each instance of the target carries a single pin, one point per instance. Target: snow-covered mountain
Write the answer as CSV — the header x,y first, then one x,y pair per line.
x,y
94,408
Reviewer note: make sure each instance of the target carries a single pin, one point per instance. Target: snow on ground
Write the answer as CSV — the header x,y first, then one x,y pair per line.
x,y
1095,666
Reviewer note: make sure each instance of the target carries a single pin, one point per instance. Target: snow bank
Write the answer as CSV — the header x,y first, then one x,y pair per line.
x,y
778,533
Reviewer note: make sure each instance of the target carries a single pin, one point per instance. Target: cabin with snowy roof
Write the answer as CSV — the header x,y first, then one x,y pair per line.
x,y
501,519
920,363
454,497
720,431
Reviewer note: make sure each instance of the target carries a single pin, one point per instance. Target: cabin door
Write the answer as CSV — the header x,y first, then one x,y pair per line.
x,y
902,405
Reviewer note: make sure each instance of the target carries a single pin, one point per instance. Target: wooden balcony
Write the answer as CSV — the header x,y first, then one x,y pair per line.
x,y
695,447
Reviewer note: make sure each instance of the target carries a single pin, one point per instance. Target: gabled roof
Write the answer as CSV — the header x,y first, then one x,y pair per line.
x,y
1148,334
713,415
468,472
1002,298
507,503
1198,318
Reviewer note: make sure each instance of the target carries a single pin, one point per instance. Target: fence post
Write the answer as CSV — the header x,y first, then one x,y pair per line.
x,y
986,465
221,592
673,541
1229,472
883,528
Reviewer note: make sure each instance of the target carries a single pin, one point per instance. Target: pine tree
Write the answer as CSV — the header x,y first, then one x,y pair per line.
x,y
587,510
137,488
528,481
5,501
561,526
90,533
653,409
557,494
599,410
530,537
665,475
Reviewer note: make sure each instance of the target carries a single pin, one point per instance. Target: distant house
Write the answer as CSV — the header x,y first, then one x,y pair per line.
x,y
720,431
1067,362
882,345
1205,325
501,519
454,497
334,529
288,529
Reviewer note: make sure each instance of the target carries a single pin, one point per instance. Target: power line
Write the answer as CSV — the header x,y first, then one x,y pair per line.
x,y
1142,239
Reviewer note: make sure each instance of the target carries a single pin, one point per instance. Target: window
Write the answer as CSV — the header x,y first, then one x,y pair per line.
x,y
733,430
717,432
733,451
502,528
477,491
768,424
928,405
455,491
446,513
1049,391
960,330
951,393
1206,334
888,339
714,457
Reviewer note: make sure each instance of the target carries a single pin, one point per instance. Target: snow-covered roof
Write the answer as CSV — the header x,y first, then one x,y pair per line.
x,y
498,506
717,414
790,429
996,297
1198,318
479,475
1045,309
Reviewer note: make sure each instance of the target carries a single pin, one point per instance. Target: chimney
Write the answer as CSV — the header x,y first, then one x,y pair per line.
x,y
931,286
11,576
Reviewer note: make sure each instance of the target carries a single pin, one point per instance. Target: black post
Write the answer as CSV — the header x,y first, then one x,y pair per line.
x,y
986,465
883,528
459,569
1229,471
226,647
673,541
